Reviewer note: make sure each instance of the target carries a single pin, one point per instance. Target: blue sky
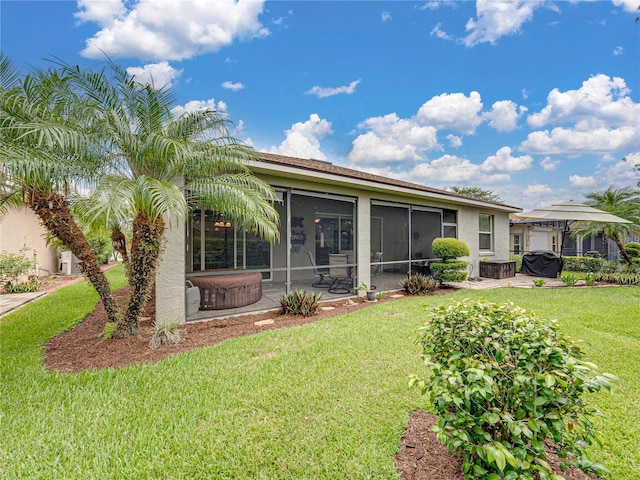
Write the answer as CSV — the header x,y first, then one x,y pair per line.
x,y
537,101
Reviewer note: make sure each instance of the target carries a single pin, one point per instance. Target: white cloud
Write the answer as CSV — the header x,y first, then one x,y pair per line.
x,y
599,117
549,164
386,17
438,32
450,169
435,4
497,19
392,139
628,5
504,115
322,92
582,183
453,111
197,105
503,161
619,174
303,138
454,141
537,189
104,12
168,30
158,74
600,101
566,141
618,51
232,86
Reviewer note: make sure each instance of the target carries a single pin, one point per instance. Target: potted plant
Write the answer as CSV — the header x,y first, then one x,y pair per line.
x,y
371,291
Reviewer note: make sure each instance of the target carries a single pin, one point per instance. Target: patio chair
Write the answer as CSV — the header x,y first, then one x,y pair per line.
x,y
319,272
377,258
339,273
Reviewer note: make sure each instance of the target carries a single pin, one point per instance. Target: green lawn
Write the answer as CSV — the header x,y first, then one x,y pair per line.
x,y
326,400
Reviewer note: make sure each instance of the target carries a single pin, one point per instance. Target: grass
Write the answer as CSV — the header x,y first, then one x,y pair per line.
x,y
327,400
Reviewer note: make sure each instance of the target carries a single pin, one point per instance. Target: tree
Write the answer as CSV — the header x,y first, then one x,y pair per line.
x,y
476,192
155,166
42,163
624,203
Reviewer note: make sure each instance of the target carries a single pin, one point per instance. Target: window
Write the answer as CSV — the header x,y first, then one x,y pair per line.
x,y
449,223
485,232
517,244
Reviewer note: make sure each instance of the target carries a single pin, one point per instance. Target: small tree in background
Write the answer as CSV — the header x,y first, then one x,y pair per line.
x,y
451,269
476,192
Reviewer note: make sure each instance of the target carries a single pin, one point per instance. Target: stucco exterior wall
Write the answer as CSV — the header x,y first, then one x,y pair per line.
x,y
21,229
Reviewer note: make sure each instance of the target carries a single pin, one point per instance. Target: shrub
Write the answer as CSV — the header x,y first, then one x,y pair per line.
x,y
582,264
165,334
101,246
589,279
619,278
448,248
569,279
15,265
23,287
518,260
539,282
419,284
633,250
450,269
609,267
300,302
504,385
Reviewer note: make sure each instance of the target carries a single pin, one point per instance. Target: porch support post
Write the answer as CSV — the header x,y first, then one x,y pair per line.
x,y
170,274
363,237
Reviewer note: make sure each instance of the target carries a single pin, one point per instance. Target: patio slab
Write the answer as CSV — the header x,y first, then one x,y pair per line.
x,y
519,281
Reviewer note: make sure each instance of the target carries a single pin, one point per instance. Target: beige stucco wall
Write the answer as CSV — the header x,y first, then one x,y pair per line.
x,y
21,229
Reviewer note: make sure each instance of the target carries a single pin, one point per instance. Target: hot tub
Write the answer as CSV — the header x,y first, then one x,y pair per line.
x,y
233,290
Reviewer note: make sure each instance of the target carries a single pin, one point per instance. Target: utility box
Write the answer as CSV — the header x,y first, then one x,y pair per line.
x,y
192,298
68,263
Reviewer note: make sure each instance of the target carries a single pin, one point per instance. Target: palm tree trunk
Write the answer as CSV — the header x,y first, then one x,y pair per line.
x,y
623,252
145,251
53,211
119,244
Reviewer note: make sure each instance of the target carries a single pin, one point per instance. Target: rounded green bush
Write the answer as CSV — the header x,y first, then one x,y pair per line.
x,y
449,265
505,384
633,249
447,248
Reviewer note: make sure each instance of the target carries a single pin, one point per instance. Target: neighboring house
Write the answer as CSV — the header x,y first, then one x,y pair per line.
x,y
21,233
383,226
528,236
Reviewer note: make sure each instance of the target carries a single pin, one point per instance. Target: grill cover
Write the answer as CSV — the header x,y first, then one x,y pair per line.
x,y
542,263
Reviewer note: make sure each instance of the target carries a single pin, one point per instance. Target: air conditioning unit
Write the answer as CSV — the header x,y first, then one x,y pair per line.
x,y
68,263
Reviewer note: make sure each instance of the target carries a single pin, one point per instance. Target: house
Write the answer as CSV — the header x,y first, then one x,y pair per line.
x,y
21,233
529,235
380,228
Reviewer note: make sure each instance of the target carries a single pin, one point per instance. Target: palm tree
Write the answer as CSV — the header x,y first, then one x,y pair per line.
x,y
624,203
155,166
41,162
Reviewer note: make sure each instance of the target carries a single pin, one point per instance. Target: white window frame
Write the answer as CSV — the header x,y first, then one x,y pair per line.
x,y
517,244
489,232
